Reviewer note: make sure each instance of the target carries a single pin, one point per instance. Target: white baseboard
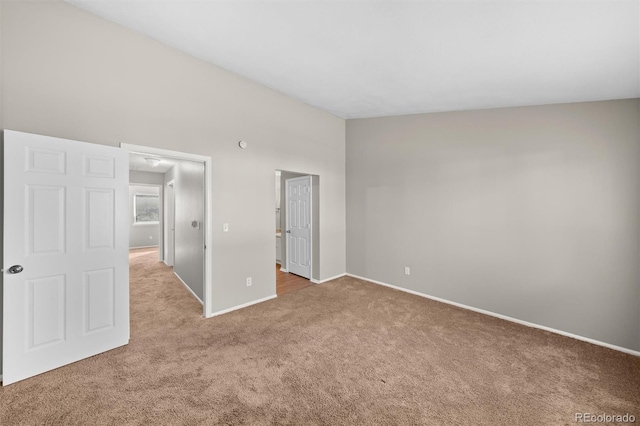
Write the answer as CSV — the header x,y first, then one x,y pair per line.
x,y
328,279
139,247
283,269
244,305
188,288
504,317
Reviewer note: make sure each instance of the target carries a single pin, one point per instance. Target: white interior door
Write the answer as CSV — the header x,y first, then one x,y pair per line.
x,y
66,225
298,230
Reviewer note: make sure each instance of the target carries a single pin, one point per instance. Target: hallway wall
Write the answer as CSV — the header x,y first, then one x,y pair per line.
x,y
189,240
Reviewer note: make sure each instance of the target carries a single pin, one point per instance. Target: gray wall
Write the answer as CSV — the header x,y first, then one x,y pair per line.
x,y
136,176
189,241
73,75
278,184
315,230
529,212
142,234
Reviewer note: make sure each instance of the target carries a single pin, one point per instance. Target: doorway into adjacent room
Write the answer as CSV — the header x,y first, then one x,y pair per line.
x,y
297,230
179,223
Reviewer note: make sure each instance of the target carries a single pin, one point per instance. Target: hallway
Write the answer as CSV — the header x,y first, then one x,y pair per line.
x,y
287,283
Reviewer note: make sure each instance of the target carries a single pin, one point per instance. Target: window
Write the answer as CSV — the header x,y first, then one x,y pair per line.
x,y
146,208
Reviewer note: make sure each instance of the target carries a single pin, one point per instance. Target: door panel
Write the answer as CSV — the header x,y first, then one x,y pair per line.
x,y
99,218
46,305
46,210
99,301
42,160
303,257
293,208
70,234
298,192
94,166
292,248
301,213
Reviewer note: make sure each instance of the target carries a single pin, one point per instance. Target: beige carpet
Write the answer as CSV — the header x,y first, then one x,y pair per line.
x,y
344,352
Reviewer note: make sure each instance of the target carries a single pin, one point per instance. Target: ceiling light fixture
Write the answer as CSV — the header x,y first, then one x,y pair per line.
x,y
153,162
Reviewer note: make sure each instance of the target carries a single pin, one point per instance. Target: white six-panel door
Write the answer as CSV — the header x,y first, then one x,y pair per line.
x,y
66,225
298,229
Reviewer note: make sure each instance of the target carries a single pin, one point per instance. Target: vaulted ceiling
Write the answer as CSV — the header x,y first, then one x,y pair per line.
x,y
377,58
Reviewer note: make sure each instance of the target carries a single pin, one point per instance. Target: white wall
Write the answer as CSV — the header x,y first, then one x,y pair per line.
x,y
278,184
142,234
530,212
73,75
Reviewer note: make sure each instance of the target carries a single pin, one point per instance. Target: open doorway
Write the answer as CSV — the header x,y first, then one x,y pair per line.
x,y
183,216
145,219
297,230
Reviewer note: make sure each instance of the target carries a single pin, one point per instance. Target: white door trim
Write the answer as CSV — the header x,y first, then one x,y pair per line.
x,y
170,223
208,191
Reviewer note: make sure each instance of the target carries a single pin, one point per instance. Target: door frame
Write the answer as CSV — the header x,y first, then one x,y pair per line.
x,y
207,304
286,221
170,223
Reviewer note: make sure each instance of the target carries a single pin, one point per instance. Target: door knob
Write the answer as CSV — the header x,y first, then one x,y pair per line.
x,y
15,269
288,232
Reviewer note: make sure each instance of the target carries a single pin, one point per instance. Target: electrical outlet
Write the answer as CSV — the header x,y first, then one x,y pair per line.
x,y
249,282
225,227
407,270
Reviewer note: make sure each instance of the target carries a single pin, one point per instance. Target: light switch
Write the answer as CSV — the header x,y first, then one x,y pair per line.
x,y
225,227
